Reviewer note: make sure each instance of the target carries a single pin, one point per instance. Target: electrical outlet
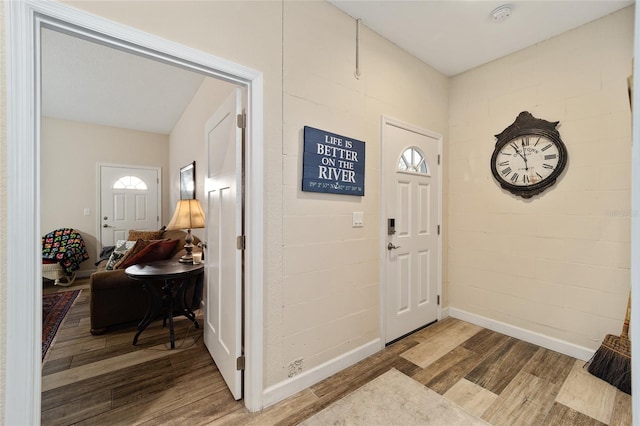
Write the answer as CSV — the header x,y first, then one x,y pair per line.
x,y
295,367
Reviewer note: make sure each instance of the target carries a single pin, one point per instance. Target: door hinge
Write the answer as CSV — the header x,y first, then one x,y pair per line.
x,y
240,363
438,300
241,121
241,242
438,229
438,159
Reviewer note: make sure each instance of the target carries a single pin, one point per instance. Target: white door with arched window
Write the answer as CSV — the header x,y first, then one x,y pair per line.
x,y
129,199
412,185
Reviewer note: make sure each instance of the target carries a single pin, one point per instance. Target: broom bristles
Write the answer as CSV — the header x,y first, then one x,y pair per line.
x,y
612,362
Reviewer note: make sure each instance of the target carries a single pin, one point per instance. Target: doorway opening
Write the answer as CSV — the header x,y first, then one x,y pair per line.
x,y
23,214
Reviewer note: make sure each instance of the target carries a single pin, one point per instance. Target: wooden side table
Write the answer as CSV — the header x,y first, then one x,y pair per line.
x,y
175,277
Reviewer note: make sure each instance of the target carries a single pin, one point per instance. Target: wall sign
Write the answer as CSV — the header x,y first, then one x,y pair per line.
x,y
332,163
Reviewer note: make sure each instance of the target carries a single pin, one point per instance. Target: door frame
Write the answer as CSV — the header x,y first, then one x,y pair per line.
x,y
23,21
99,167
386,120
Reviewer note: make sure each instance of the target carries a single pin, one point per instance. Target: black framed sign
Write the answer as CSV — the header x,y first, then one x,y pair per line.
x,y
332,163
188,181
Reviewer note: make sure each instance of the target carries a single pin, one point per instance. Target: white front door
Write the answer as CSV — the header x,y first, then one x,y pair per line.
x,y
224,256
412,196
129,199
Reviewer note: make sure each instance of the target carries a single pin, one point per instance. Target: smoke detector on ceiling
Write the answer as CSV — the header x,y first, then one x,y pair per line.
x,y
501,13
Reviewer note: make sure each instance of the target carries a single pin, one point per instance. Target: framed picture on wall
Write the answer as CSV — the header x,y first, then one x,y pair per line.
x,y
188,181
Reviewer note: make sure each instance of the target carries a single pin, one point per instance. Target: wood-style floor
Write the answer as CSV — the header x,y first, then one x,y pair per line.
x,y
105,380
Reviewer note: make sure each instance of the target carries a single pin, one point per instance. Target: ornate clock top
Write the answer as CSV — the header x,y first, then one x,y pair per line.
x,y
525,122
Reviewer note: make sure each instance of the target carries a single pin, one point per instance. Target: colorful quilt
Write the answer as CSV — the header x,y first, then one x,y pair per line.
x,y
66,247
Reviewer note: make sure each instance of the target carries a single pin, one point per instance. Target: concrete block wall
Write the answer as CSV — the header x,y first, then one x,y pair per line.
x,y
559,263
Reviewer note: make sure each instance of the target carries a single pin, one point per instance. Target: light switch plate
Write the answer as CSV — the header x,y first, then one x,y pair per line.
x,y
358,219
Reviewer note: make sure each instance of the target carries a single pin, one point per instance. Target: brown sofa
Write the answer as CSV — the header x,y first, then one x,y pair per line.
x,y
118,301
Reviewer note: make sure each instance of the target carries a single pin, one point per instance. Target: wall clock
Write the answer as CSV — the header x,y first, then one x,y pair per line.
x,y
529,156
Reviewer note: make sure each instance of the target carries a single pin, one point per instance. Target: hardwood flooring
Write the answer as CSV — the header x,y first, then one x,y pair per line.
x,y
105,380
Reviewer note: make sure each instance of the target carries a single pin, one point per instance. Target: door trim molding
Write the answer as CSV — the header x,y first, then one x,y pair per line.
x,y
23,21
384,121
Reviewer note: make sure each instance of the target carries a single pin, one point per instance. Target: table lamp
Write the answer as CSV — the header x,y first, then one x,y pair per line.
x,y
188,215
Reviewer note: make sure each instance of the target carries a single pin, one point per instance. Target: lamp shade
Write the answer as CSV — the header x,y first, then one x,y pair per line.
x,y
188,215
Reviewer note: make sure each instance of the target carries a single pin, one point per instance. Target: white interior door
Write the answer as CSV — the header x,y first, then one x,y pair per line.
x,y
224,258
412,183
129,199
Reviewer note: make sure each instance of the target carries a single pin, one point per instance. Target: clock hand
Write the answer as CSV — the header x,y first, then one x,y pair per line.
x,y
519,153
524,151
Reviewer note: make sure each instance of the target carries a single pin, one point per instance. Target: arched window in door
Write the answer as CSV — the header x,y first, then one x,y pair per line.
x,y
412,161
130,182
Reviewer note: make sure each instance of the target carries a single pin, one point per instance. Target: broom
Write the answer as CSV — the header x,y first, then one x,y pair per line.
x,y
612,362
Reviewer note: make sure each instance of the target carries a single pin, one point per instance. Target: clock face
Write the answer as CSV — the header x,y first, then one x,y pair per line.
x,y
529,156
527,160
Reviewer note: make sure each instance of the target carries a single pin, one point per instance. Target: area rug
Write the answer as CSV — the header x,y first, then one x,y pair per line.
x,y
393,399
54,308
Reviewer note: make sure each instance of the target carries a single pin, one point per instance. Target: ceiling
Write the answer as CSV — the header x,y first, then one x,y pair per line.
x,y
88,82
454,36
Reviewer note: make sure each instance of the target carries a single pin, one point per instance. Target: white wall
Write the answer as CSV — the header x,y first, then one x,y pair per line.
x,y
557,264
70,152
187,139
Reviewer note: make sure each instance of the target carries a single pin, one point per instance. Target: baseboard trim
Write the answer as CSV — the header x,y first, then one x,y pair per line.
x,y
295,384
564,347
444,313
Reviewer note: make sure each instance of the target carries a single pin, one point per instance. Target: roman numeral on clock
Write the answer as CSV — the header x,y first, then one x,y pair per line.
x,y
506,172
550,156
547,166
515,177
504,163
546,147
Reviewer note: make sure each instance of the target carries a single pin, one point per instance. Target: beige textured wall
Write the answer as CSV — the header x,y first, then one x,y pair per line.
x,y
328,301
70,152
557,264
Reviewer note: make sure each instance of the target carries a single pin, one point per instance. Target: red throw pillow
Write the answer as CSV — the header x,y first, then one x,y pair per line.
x,y
157,250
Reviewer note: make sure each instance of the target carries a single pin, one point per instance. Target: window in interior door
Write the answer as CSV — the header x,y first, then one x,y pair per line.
x,y
412,161
130,182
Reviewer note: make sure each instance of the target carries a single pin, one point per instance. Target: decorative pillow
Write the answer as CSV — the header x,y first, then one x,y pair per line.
x,y
137,247
124,245
157,250
121,250
113,259
144,235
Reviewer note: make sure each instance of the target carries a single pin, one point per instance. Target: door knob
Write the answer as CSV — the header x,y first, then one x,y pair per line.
x,y
390,247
